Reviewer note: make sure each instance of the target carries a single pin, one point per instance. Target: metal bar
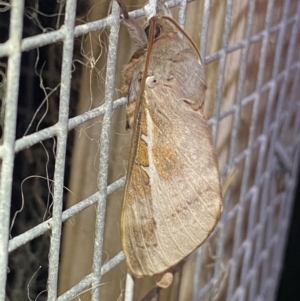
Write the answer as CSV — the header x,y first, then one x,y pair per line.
x,y
38,230
197,274
204,31
51,131
236,124
86,281
80,30
222,66
246,171
182,13
104,151
241,82
61,149
57,36
253,39
10,119
129,288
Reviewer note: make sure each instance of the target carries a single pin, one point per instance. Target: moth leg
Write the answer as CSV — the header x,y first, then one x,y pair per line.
x,y
130,110
165,279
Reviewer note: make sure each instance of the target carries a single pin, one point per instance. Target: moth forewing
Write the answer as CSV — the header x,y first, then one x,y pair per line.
x,y
172,199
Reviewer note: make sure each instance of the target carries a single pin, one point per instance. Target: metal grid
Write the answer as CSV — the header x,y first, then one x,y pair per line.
x,y
252,270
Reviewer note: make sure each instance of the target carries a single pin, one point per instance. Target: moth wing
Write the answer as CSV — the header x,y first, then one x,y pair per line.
x,y
172,195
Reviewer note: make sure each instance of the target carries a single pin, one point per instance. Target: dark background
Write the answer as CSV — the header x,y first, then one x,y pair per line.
x,y
289,283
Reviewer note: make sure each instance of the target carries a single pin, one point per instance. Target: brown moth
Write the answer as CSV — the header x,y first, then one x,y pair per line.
x,y
172,199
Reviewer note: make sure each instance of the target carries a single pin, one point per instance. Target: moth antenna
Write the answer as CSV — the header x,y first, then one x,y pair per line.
x,y
136,32
185,34
149,49
143,81
150,42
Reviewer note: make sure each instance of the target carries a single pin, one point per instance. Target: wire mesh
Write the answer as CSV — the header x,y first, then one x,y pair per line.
x,y
257,119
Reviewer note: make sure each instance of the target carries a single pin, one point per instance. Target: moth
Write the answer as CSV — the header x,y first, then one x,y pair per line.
x,y
172,199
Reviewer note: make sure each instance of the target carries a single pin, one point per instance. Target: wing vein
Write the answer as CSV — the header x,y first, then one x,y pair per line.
x,y
181,154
